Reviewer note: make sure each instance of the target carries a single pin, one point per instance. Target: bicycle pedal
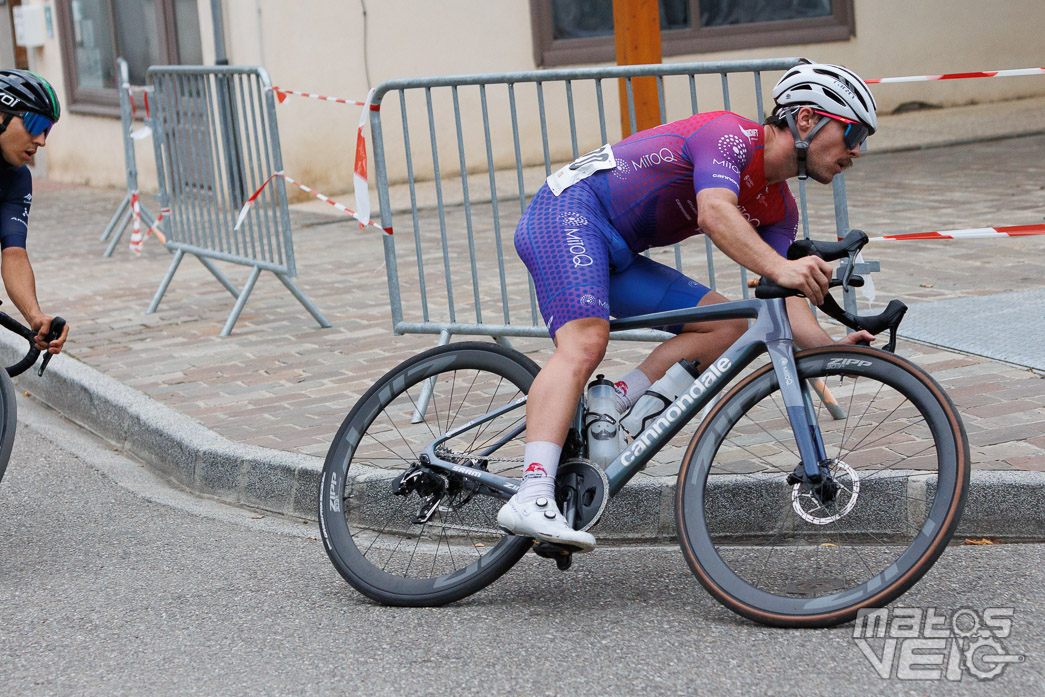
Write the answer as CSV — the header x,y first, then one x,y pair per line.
x,y
551,550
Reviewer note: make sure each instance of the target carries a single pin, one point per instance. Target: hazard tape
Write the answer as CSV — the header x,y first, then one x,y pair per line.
x,y
959,76
136,229
250,202
281,94
360,185
155,229
971,233
145,131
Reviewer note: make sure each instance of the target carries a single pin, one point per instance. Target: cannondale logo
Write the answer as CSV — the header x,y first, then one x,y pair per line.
x,y
573,220
732,146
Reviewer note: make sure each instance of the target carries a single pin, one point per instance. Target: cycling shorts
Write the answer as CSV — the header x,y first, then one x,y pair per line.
x,y
581,267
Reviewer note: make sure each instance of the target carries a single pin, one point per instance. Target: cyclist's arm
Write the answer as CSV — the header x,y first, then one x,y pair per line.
x,y
20,283
807,330
719,219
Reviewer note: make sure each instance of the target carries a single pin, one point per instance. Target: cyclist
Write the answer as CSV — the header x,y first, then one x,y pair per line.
x,y
716,173
28,110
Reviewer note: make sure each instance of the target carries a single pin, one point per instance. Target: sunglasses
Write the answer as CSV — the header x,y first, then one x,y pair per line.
x,y
36,123
855,132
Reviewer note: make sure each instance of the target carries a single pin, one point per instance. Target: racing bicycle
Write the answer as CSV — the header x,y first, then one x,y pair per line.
x,y
8,403
818,484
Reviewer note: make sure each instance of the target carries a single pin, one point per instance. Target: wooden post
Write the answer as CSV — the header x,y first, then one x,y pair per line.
x,y
636,29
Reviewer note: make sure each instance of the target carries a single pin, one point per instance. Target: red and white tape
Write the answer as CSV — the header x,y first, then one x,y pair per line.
x,y
960,76
155,229
136,229
250,202
360,186
281,94
971,233
359,173
144,131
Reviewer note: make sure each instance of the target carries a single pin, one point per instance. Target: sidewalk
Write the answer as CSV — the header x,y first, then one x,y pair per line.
x,y
248,418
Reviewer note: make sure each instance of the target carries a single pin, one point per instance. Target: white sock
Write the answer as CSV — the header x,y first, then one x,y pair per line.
x,y
541,460
629,388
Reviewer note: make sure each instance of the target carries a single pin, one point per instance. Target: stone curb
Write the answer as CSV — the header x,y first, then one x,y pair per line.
x,y
1008,505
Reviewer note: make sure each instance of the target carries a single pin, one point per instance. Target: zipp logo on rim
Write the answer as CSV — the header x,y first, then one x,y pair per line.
x,y
847,362
335,503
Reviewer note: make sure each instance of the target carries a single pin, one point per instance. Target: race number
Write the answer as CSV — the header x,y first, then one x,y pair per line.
x,y
584,166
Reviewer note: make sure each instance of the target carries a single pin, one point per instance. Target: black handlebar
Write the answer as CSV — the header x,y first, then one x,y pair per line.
x,y
828,251
8,322
849,247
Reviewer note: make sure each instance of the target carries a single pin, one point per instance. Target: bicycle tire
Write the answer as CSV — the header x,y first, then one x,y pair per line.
x,y
735,508
368,531
8,420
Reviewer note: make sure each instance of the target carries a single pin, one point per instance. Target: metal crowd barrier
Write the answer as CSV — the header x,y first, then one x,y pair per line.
x,y
466,277
123,214
216,140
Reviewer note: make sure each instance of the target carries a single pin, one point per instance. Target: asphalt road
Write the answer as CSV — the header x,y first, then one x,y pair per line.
x,y
112,582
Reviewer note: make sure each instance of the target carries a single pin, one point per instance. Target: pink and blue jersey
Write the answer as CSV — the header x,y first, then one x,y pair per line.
x,y
650,197
582,247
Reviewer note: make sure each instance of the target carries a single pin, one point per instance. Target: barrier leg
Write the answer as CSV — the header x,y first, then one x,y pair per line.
x,y
426,389
119,234
306,303
147,219
244,294
165,282
116,216
503,341
833,407
220,276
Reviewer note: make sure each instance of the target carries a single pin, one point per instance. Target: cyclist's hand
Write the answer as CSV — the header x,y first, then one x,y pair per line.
x,y
861,337
42,325
808,275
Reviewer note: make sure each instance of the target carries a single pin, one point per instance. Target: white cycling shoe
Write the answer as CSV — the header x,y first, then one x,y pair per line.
x,y
541,520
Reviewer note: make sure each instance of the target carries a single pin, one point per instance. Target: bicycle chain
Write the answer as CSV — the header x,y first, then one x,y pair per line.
x,y
444,453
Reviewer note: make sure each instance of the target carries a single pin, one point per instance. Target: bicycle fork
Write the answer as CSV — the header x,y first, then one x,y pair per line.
x,y
802,416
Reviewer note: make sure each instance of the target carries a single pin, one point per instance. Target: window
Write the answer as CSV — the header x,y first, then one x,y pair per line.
x,y
94,33
581,31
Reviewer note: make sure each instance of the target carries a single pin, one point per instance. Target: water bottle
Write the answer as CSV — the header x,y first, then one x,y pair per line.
x,y
657,398
600,422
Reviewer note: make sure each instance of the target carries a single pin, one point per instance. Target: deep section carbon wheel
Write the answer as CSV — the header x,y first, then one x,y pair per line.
x,y
782,550
405,534
8,420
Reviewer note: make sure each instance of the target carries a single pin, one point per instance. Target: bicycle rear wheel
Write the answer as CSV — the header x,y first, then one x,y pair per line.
x,y
776,552
8,419
398,532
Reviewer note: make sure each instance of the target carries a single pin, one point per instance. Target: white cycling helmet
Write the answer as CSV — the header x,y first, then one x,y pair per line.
x,y
829,88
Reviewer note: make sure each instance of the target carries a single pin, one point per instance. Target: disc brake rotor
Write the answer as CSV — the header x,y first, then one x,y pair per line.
x,y
809,506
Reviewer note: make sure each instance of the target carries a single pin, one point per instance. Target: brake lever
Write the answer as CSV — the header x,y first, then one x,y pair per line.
x,y
57,326
850,267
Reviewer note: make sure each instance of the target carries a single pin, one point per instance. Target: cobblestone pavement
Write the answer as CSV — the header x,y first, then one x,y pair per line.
x,y
281,382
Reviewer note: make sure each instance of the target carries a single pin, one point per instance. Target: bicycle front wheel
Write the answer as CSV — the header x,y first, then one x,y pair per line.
x,y
403,534
781,553
8,419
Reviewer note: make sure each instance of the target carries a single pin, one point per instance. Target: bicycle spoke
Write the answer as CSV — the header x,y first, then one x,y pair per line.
x,y
812,547
392,559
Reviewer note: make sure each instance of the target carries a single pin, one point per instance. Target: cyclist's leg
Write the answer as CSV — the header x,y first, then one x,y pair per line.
x,y
561,242
647,286
579,348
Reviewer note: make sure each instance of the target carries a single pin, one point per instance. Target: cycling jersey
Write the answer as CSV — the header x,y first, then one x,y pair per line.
x,y
16,196
581,245
651,194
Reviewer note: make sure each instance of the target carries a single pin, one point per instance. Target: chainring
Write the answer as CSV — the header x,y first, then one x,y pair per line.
x,y
582,485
